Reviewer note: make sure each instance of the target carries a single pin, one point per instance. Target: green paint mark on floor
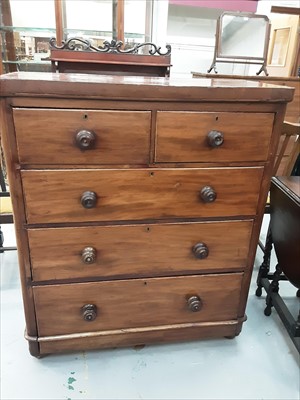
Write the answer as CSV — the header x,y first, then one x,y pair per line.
x,y
71,380
70,387
72,373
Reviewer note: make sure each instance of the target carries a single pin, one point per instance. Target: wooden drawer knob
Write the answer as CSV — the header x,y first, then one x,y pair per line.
x,y
88,199
208,194
215,138
85,140
200,250
89,312
194,303
88,255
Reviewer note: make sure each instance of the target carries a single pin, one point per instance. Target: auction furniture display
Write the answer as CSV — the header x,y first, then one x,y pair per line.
x,y
137,203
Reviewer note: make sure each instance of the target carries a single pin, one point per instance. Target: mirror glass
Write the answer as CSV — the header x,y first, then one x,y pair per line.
x,y
242,36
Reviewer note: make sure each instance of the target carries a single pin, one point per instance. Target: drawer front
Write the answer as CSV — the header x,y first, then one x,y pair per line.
x,y
63,309
212,137
48,136
68,253
63,196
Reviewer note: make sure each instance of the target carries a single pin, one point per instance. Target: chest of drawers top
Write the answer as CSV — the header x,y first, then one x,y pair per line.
x,y
78,86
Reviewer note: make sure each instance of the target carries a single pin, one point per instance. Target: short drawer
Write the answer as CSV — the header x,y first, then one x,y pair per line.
x,y
50,136
84,307
212,137
135,194
138,250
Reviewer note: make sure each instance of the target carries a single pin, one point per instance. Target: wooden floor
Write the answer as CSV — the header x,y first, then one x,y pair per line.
x,y
261,363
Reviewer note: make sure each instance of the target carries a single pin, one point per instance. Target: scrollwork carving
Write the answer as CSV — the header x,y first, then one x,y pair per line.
x,y
115,46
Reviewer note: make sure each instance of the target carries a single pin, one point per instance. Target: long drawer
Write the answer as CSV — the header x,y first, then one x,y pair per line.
x,y
212,136
82,307
145,250
133,194
80,137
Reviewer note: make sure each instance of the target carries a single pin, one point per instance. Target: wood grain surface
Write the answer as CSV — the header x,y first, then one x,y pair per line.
x,y
138,336
147,169
182,136
121,136
292,112
55,196
143,250
43,84
136,303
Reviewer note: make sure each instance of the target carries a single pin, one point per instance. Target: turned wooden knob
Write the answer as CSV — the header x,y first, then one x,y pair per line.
x,y
215,138
200,250
194,303
208,195
89,312
88,255
85,140
88,199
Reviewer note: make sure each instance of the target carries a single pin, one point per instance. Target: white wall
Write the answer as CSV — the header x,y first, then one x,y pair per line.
x,y
191,33
160,21
134,16
32,13
264,6
89,14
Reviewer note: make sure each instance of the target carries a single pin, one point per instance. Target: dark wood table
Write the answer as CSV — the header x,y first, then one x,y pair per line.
x,y
284,235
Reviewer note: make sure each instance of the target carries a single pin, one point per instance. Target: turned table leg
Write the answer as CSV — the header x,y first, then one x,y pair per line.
x,y
265,266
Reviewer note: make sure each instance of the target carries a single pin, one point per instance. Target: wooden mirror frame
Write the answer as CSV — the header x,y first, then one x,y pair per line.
x,y
219,57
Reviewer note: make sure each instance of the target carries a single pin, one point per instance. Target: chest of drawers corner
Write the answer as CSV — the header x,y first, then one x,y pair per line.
x,y
137,204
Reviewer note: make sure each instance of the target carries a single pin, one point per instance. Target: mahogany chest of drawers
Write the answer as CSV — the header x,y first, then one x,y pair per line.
x,y
137,203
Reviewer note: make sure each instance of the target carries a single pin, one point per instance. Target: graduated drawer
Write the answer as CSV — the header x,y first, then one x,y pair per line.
x,y
135,194
212,136
131,250
82,307
50,136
